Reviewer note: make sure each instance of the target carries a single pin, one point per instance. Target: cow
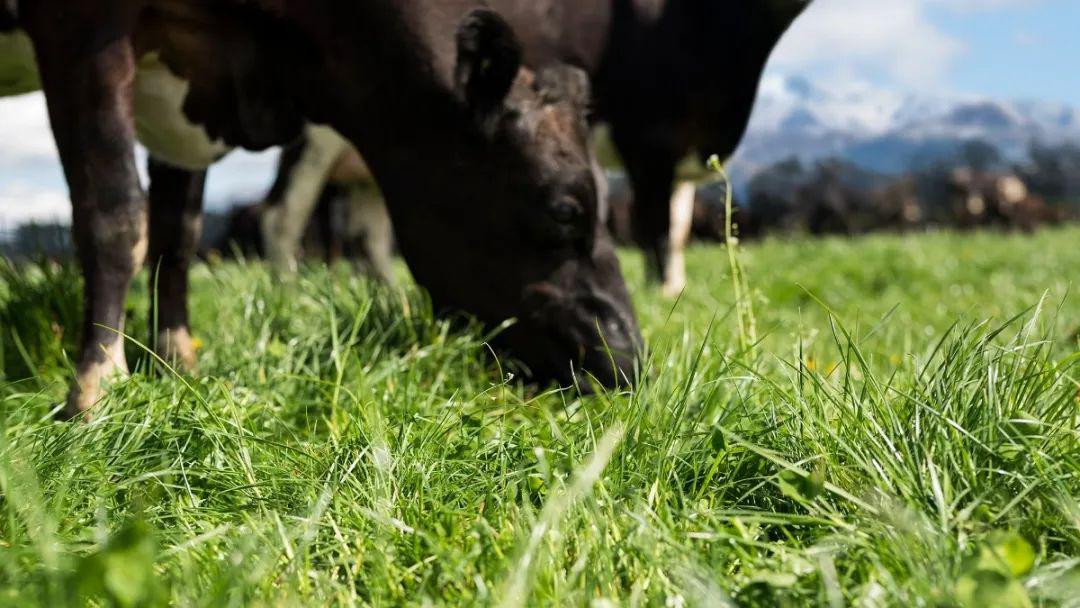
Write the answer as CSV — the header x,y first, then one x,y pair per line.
x,y
323,160
485,165
833,196
323,200
670,77
1002,199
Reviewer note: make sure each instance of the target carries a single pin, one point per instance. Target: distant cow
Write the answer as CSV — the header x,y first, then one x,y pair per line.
x,y
985,198
671,77
833,197
899,207
842,198
486,166
317,172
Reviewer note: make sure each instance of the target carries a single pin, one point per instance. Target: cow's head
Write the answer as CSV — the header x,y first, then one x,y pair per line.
x,y
517,231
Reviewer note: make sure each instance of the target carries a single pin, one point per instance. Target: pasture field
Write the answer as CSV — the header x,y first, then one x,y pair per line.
x,y
896,423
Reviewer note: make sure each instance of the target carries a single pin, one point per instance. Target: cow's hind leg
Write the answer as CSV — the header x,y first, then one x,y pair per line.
x,y
176,199
651,169
296,192
87,73
369,218
682,219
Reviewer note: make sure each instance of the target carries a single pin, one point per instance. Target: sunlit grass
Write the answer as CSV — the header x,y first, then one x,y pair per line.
x,y
904,432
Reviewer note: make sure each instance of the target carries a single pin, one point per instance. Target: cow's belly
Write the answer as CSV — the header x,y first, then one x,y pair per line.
x,y
158,98
18,69
160,121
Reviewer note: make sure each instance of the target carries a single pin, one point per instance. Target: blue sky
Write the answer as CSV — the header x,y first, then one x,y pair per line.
x,y
1008,49
1029,50
1002,49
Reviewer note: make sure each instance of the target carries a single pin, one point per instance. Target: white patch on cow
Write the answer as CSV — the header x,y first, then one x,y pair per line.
x,y
682,217
976,205
160,121
18,67
1012,190
283,225
912,211
603,192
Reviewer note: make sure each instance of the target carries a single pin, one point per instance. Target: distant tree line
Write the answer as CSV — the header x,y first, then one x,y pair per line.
x,y
977,187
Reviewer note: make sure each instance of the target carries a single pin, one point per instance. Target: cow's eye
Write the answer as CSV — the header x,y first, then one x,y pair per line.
x,y
566,210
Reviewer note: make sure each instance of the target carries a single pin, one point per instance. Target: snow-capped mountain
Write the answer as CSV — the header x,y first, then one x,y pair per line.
x,y
888,131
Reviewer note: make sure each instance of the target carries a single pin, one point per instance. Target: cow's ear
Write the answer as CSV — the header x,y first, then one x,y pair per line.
x,y
488,60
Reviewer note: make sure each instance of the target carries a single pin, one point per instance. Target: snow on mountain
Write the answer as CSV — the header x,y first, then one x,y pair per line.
x,y
887,130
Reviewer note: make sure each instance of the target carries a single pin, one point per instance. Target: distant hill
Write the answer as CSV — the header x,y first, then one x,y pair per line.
x,y
886,131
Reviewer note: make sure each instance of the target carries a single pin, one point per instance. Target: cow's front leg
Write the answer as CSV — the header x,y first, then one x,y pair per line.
x,y
176,199
87,73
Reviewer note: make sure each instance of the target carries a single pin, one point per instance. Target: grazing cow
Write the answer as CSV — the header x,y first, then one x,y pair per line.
x,y
486,166
899,207
671,77
833,197
981,198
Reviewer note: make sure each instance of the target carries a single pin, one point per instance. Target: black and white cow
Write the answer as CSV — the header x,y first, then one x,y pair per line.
x,y
320,162
485,165
323,201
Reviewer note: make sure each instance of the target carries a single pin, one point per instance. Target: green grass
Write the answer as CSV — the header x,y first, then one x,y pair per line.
x,y
905,432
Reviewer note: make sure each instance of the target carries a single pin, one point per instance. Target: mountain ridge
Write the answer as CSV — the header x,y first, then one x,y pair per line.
x,y
888,131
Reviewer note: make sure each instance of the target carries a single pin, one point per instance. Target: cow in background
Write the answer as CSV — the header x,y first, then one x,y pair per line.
x,y
674,78
1001,199
315,173
316,208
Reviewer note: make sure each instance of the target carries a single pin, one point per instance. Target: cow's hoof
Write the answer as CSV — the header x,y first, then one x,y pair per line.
x,y
93,373
79,404
280,242
673,289
177,348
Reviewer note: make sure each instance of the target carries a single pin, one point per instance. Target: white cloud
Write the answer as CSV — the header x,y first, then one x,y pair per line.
x,y
892,41
21,203
31,181
895,42
24,130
